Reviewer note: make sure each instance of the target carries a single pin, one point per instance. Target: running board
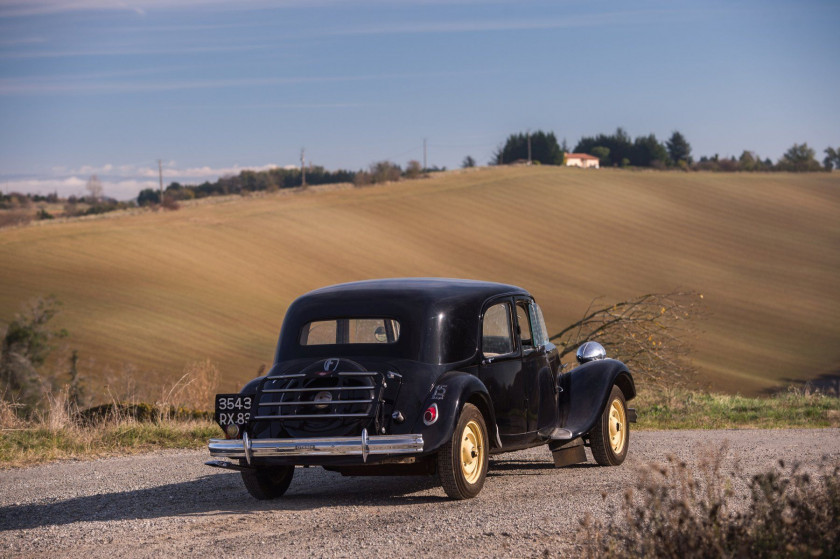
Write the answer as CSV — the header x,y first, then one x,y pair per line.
x,y
556,434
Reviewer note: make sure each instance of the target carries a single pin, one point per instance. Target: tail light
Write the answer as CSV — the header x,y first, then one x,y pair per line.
x,y
232,431
430,415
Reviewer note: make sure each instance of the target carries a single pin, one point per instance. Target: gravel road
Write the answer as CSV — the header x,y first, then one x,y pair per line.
x,y
169,503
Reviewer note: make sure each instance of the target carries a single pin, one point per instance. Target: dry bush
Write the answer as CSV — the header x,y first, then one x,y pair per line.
x,y
194,390
9,417
648,333
121,386
61,413
362,178
676,512
10,218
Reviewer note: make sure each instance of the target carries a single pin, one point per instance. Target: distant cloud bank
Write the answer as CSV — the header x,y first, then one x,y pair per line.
x,y
122,182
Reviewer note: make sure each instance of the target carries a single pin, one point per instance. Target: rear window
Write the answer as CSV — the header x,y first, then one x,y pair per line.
x,y
341,331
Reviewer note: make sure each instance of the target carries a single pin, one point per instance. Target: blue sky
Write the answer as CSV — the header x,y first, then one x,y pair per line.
x,y
211,87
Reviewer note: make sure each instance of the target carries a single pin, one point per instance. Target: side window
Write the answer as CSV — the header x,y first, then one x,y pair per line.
x,y
496,335
538,325
523,318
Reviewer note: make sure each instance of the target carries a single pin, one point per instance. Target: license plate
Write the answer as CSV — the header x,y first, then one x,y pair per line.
x,y
233,409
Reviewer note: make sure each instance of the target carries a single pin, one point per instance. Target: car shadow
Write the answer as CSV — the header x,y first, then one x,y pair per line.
x,y
524,468
222,493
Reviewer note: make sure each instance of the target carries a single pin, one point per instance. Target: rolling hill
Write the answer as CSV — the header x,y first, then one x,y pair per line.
x,y
147,293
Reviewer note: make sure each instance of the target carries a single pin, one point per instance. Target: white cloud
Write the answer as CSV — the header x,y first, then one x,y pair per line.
x,y
208,172
122,182
64,186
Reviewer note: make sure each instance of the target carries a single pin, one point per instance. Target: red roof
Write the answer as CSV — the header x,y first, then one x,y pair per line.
x,y
580,156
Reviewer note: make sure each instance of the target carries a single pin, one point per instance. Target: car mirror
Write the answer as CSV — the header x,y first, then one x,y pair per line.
x,y
590,351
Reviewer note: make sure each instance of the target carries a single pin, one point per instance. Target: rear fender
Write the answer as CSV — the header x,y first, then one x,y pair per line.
x,y
252,385
451,391
586,390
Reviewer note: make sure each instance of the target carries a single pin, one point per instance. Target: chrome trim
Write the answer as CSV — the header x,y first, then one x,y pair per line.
x,y
317,388
365,447
329,446
314,403
278,377
359,374
246,447
313,416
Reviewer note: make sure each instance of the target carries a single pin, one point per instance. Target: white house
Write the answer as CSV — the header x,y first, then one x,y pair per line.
x,y
582,160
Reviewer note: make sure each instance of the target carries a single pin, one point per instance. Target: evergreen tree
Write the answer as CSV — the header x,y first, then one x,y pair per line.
x,y
678,148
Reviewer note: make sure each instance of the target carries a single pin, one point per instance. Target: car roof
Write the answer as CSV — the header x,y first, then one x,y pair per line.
x,y
426,289
439,316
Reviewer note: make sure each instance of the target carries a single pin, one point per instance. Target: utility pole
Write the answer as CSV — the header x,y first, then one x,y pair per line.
x,y
160,176
424,156
302,167
529,147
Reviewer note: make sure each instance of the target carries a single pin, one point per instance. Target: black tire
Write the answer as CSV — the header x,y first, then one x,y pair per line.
x,y
610,439
268,483
462,477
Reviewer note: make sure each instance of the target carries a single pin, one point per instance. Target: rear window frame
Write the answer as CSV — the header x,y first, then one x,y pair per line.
x,y
399,332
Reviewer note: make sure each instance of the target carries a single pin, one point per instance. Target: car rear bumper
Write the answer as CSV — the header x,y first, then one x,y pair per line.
x,y
363,446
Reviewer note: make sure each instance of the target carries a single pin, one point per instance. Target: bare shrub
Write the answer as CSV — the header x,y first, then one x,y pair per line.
x,y
9,417
61,412
170,203
10,218
675,512
648,333
121,385
195,388
385,171
413,170
362,178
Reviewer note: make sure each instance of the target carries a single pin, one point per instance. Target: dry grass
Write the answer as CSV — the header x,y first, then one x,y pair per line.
x,y
194,390
679,512
58,435
156,290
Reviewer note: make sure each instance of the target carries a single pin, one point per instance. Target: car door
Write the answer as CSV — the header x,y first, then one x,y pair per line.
x,y
501,367
540,384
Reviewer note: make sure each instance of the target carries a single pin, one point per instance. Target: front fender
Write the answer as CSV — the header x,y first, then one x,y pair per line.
x,y
460,388
586,389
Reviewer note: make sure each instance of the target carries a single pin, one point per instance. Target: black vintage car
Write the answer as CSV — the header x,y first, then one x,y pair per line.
x,y
419,376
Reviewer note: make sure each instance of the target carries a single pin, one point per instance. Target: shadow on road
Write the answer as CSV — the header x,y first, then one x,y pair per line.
x,y
222,493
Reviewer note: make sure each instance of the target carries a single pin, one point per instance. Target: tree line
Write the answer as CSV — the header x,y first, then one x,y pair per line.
x,y
612,150
273,180
620,150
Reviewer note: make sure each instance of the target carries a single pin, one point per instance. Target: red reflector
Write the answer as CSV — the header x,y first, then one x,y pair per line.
x,y
430,415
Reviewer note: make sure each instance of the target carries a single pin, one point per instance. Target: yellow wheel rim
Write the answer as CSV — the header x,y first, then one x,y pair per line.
x,y
618,426
472,452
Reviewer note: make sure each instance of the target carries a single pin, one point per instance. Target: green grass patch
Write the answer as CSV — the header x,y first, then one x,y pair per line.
x,y
697,410
34,443
26,446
